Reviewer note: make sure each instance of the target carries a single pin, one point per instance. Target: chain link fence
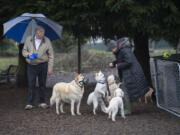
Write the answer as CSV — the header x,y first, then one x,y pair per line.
x,y
166,78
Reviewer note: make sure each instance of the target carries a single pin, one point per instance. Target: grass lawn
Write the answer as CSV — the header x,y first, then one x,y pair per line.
x,y
159,52
91,59
6,61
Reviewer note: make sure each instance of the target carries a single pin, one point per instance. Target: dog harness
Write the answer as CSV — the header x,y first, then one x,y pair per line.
x,y
101,82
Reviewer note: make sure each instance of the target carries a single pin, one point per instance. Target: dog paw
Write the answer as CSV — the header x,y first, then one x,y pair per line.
x,y
73,114
124,117
78,113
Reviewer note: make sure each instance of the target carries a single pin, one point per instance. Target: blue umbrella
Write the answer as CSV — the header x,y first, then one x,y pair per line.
x,y
22,26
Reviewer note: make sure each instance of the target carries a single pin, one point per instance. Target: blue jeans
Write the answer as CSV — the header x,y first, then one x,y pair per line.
x,y
34,71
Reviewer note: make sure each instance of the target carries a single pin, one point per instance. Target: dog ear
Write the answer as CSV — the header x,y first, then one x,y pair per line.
x,y
76,76
119,84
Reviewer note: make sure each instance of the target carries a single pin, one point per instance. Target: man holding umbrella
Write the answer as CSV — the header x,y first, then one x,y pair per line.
x,y
39,55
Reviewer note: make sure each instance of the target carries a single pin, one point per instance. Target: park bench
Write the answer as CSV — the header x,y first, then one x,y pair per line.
x,y
8,74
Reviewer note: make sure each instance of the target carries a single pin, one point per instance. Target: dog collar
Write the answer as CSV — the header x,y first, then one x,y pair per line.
x,y
80,85
101,82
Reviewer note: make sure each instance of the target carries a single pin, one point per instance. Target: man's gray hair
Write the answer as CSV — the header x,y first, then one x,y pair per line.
x,y
39,28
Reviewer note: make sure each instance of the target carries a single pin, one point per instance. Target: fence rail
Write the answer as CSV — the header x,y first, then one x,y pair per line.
x,y
167,84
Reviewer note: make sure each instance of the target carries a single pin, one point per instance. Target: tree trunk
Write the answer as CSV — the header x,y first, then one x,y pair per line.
x,y
1,30
142,54
21,79
79,56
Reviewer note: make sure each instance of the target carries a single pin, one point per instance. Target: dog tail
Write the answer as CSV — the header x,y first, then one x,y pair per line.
x,y
90,98
53,97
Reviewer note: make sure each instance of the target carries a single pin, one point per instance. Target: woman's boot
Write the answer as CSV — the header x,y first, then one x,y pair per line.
x,y
127,107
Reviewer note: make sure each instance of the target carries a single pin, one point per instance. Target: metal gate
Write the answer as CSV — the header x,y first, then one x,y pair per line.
x,y
167,84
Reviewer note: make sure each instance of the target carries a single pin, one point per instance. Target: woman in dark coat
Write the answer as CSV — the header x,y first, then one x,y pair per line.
x,y
130,72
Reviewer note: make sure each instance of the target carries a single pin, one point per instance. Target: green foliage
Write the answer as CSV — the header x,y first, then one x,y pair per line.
x,y
91,60
65,44
160,52
105,18
8,48
6,61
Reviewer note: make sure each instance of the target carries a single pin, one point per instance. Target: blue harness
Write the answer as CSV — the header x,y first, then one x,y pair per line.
x,y
101,82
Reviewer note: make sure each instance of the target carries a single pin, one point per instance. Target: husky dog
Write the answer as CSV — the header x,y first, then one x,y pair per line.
x,y
68,93
112,86
100,92
115,104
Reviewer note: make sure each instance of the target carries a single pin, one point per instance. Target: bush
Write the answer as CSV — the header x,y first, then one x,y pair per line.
x,y
91,60
8,48
65,44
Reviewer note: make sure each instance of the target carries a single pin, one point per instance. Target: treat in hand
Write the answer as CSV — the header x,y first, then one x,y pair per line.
x,y
35,55
31,57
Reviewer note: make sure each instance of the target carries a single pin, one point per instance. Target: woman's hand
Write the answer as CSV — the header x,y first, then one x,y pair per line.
x,y
49,72
111,65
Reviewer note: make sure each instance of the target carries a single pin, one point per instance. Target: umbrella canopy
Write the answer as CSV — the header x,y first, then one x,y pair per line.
x,y
22,26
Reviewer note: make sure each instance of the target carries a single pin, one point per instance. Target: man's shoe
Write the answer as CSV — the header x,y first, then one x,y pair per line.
x,y
43,105
28,107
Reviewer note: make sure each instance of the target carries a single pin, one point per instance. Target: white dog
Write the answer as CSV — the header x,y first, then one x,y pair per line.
x,y
112,86
115,104
100,92
68,93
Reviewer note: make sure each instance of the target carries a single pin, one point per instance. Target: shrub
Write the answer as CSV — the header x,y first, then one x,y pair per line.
x,y
8,48
91,60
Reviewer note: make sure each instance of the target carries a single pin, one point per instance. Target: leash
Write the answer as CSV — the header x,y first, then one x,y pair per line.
x,y
101,82
179,70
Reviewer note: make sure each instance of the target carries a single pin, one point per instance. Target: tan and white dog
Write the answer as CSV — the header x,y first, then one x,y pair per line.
x,y
112,86
100,92
147,96
115,104
68,93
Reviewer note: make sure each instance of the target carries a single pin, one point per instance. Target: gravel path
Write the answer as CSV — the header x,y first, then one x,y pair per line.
x,y
146,119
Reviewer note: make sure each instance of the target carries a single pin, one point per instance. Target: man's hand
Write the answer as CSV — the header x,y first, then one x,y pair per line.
x,y
30,54
49,72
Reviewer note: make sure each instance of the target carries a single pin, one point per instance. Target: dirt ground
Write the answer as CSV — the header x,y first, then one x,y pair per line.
x,y
14,120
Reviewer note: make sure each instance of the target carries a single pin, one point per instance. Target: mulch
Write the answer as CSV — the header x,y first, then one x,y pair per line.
x,y
146,119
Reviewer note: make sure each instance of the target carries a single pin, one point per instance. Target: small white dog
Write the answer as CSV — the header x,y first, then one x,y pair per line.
x,y
100,92
68,93
112,86
115,104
